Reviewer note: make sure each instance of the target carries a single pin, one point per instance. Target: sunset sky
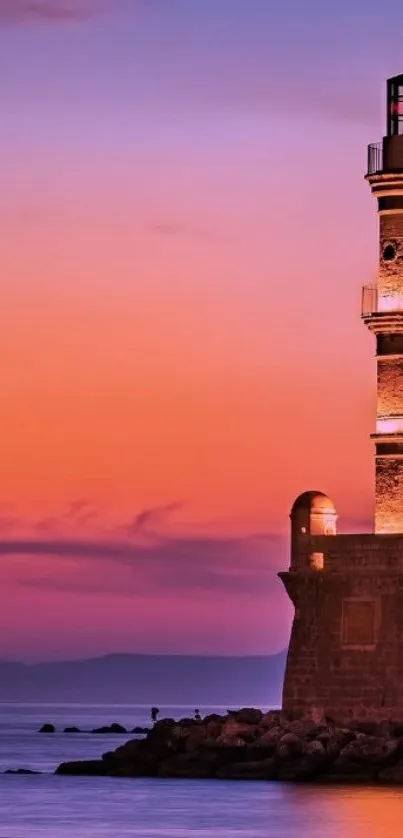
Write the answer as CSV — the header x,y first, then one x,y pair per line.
x,y
185,233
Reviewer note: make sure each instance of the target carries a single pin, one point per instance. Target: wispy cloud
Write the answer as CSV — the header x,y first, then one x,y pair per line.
x,y
14,12
152,517
191,565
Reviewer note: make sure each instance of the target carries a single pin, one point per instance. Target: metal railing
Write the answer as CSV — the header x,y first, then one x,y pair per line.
x,y
375,158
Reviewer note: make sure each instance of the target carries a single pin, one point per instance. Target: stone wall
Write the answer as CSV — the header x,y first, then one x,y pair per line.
x,y
390,386
345,656
390,273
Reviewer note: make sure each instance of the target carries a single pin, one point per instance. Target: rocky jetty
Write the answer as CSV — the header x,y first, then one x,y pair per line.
x,y
248,744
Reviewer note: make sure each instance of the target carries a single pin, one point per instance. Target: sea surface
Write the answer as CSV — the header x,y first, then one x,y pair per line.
x,y
46,806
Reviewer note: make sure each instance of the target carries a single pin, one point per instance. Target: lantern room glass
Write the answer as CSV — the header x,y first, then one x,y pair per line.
x,y
395,106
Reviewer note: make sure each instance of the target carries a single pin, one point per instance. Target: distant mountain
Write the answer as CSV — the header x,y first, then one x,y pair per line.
x,y
147,679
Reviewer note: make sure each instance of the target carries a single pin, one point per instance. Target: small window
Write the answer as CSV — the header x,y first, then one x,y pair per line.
x,y
389,253
317,561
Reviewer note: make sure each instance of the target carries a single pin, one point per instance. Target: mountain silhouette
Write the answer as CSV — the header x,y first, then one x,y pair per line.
x,y
149,679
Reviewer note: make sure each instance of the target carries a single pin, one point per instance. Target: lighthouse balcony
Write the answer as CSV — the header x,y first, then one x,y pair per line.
x,y
386,158
379,304
389,426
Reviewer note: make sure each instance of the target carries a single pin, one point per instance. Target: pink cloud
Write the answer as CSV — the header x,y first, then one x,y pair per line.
x,y
14,12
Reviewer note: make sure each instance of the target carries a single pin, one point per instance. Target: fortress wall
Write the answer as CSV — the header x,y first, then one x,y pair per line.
x,y
345,656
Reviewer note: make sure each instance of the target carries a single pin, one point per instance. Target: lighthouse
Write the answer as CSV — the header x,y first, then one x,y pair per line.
x,y
345,656
382,310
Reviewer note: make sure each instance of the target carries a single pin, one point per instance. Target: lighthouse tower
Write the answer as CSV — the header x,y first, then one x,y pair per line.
x,y
382,310
345,656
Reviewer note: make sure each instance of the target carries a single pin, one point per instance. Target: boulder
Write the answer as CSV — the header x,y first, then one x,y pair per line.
x,y
140,730
193,766
272,736
271,719
256,770
133,759
213,726
334,741
161,732
307,765
114,728
85,768
363,758
290,745
21,771
305,728
248,716
72,730
396,729
233,730
369,749
47,728
392,775
369,727
213,717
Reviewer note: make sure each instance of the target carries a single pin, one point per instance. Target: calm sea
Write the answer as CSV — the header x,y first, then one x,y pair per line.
x,y
59,807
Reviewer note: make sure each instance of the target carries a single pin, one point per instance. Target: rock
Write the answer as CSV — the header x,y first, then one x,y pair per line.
x,y
290,745
72,730
334,741
248,716
363,758
213,717
257,770
114,728
86,768
271,737
396,729
369,749
305,728
271,719
370,728
141,730
48,728
306,766
234,729
133,759
21,771
392,775
193,766
213,727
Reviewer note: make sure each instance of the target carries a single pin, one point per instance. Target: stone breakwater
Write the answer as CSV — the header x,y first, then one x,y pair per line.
x,y
251,745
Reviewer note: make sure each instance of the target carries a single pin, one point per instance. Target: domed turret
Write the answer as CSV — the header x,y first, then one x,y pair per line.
x,y
312,513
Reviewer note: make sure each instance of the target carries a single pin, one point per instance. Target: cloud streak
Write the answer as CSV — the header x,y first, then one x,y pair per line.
x,y
16,12
152,517
178,564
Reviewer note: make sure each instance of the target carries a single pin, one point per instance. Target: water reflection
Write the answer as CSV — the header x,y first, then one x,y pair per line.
x,y
56,807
